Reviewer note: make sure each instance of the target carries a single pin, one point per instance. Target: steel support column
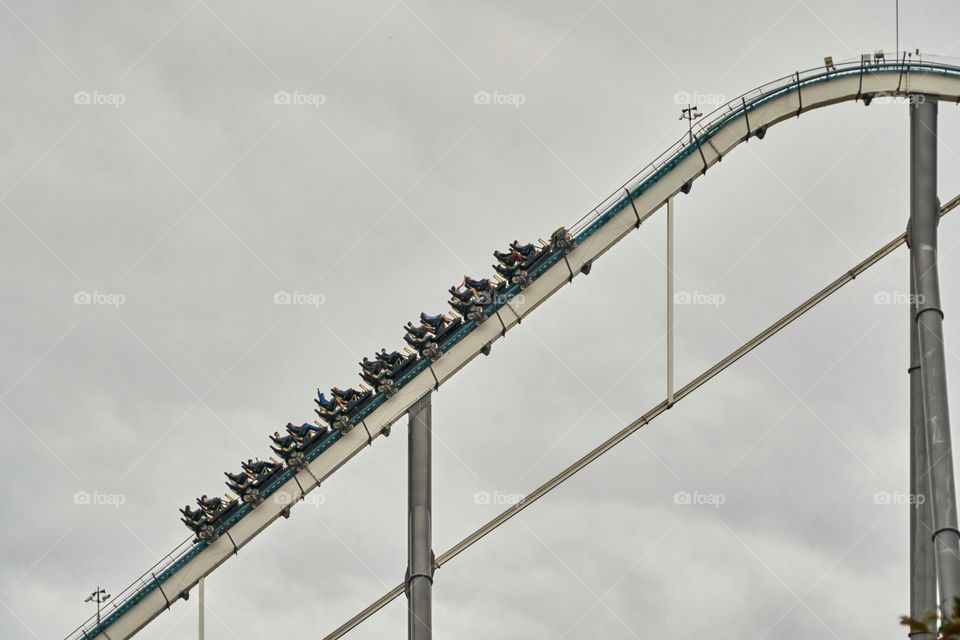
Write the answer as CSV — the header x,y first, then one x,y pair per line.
x,y
923,570
670,301
419,536
201,614
924,218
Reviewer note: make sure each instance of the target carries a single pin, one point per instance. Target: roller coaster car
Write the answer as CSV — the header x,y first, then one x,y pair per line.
x,y
463,304
537,257
374,367
283,442
239,479
465,295
300,439
522,253
288,451
512,265
257,473
374,372
493,293
511,262
563,240
389,359
328,404
428,341
258,468
448,330
418,331
343,401
469,298
396,362
477,285
306,432
418,337
328,410
525,249
271,469
328,416
347,402
212,511
350,395
238,482
195,519
375,379
508,258
215,506
433,322
283,446
507,271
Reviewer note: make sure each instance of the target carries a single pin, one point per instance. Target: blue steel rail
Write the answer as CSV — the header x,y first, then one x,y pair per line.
x,y
690,143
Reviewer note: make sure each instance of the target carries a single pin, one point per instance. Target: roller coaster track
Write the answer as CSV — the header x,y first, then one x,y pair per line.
x,y
608,444
674,171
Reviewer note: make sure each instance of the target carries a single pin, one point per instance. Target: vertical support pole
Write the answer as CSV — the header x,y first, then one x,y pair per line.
x,y
419,542
200,598
924,218
670,301
923,570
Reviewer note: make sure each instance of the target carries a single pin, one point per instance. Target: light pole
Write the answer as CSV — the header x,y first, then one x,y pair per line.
x,y
690,114
99,596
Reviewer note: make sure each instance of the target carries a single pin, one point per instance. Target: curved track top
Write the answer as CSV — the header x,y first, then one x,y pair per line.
x,y
673,171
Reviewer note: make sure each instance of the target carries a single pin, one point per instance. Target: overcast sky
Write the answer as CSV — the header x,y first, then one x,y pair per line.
x,y
148,167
